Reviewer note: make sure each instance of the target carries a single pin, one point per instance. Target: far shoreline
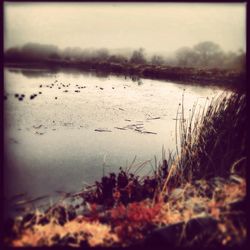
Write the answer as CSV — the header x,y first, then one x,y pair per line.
x,y
229,79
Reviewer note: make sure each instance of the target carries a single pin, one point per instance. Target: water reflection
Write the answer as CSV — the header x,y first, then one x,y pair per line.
x,y
37,73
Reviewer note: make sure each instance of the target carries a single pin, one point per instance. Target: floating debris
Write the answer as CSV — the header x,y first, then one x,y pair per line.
x,y
148,132
153,118
144,132
102,130
36,127
139,127
67,123
127,120
39,133
101,88
121,109
138,130
120,128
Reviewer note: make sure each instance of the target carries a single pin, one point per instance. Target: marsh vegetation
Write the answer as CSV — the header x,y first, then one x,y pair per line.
x,y
196,197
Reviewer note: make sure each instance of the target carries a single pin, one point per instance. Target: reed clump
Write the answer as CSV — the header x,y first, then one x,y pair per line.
x,y
214,143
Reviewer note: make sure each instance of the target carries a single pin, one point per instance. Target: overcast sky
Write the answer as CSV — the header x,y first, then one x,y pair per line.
x,y
153,26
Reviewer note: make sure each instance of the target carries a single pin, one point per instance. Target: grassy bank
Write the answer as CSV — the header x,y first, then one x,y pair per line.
x,y
232,79
193,198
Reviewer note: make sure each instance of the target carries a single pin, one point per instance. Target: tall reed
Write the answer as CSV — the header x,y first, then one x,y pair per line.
x,y
213,140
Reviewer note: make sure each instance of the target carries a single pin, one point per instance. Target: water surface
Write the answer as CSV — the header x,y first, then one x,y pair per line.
x,y
51,142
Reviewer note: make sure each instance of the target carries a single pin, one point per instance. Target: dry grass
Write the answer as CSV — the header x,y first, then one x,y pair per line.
x,y
125,225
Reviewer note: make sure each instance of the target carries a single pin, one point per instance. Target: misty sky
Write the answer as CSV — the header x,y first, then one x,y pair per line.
x,y
153,26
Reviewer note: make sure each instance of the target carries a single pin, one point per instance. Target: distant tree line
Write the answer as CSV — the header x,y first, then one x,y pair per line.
x,y
205,55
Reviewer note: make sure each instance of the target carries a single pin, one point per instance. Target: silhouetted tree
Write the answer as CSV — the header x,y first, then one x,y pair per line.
x,y
206,51
138,57
186,57
157,60
117,59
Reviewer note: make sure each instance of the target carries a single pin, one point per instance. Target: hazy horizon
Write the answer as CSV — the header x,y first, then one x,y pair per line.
x,y
163,27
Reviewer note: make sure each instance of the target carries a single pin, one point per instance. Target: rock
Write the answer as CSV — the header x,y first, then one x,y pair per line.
x,y
173,235
204,227
240,205
167,236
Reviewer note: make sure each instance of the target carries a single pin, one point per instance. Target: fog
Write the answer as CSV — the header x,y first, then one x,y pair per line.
x,y
206,54
156,27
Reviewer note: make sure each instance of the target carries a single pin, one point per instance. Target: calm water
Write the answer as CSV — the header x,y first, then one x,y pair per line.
x,y
51,144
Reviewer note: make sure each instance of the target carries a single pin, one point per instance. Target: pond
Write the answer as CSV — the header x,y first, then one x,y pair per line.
x,y
80,126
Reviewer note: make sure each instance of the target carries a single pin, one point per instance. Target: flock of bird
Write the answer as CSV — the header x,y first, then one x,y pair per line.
x,y
57,85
